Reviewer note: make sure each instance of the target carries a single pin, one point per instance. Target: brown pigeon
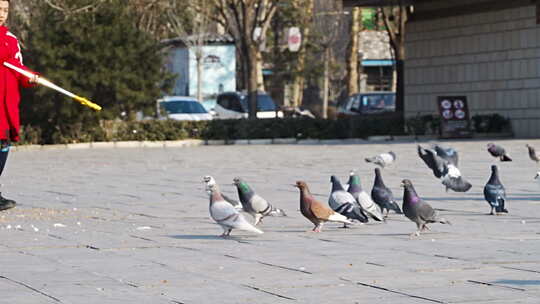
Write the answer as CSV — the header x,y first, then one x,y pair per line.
x,y
315,211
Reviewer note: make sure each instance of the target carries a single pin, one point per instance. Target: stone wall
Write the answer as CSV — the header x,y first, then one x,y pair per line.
x,y
493,58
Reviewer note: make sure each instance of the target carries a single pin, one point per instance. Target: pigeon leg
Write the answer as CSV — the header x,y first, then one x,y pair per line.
x,y
226,232
492,213
258,219
345,226
425,227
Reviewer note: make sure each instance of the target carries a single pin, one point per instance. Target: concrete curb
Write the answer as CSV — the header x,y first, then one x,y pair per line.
x,y
221,142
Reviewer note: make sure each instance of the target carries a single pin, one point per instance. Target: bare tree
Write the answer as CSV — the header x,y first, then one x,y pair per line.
x,y
352,52
248,21
394,18
328,23
305,20
193,33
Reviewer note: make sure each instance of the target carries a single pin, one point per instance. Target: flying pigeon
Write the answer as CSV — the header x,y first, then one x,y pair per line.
x,y
210,181
253,204
498,151
448,173
448,154
365,201
494,192
417,210
344,203
226,215
383,159
532,154
382,195
315,211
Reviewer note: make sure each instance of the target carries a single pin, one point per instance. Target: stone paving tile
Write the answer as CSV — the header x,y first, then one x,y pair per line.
x,y
132,225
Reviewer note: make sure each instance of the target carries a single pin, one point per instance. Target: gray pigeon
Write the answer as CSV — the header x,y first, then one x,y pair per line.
x,y
254,204
368,205
417,210
383,160
498,151
494,192
446,171
344,203
448,154
532,154
210,181
382,195
226,215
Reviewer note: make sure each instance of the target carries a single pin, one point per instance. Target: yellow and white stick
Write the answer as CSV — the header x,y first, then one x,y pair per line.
x,y
51,85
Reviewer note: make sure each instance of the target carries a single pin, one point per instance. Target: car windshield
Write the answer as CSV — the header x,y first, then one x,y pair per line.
x,y
377,103
183,107
264,103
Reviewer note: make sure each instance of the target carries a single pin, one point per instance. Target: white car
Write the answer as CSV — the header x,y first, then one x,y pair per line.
x,y
234,105
182,108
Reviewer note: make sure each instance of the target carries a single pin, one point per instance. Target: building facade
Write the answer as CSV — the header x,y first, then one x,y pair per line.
x,y
488,51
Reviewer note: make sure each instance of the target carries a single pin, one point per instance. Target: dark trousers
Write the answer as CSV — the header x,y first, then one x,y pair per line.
x,y
4,150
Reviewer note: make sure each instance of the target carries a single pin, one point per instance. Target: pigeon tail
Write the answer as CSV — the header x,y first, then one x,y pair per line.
x,y
505,158
277,212
244,225
457,184
442,220
500,206
336,217
394,206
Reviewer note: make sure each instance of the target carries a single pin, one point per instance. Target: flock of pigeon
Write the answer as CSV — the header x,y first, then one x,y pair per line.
x,y
355,204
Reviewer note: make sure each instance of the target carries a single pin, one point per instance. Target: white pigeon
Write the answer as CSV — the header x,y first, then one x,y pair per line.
x,y
383,159
226,215
210,181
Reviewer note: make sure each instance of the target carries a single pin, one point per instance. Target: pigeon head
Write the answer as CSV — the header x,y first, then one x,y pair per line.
x,y
393,154
353,178
406,183
241,184
377,171
210,182
537,175
494,169
490,145
300,185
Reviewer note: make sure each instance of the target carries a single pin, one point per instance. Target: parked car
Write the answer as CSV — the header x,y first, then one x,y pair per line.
x,y
368,103
181,108
234,105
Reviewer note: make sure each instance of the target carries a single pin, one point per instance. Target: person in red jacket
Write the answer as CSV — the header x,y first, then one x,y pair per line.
x,y
10,81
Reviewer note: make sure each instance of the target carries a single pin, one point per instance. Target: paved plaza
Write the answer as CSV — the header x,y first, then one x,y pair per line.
x,y
131,225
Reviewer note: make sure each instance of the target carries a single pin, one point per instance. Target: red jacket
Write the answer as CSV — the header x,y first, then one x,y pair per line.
x,y
10,81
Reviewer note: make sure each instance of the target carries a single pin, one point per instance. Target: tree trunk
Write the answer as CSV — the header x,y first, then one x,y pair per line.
x,y
352,57
251,60
260,76
199,75
326,82
298,80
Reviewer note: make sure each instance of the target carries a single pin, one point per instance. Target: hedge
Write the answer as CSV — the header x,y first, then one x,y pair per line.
x,y
155,130
300,128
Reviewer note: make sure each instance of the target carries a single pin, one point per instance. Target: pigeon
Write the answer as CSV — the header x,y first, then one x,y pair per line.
x,y
447,172
383,159
417,210
344,203
494,192
533,155
498,151
448,154
210,181
316,212
382,195
253,204
226,215
368,205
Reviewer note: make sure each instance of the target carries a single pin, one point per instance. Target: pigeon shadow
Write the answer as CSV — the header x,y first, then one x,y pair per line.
x,y
518,282
204,237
